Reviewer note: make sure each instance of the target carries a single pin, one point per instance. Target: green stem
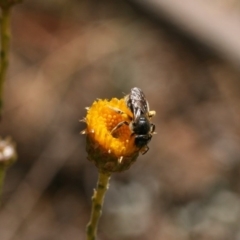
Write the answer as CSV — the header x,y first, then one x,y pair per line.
x,y
97,204
5,43
2,177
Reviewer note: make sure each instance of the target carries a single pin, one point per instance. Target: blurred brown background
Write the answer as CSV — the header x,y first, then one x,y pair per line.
x,y
64,55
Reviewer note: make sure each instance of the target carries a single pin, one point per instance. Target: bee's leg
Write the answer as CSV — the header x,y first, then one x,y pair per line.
x,y
144,149
119,125
152,129
151,113
116,110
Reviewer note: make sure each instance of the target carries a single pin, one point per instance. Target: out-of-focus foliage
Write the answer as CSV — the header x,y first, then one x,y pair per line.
x,y
64,55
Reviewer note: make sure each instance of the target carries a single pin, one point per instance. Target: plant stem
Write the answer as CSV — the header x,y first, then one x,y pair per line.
x,y
97,204
5,43
2,177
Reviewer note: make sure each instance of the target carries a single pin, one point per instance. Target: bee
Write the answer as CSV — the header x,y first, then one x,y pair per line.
x,y
140,124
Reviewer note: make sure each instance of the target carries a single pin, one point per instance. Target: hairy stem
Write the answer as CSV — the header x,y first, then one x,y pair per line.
x,y
5,43
97,204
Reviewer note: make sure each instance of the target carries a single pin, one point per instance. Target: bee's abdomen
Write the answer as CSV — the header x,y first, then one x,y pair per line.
x,y
142,140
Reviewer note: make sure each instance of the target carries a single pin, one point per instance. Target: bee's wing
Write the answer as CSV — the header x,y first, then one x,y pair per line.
x,y
139,102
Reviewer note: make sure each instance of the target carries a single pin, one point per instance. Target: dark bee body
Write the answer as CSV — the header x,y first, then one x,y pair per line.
x,y
142,131
140,125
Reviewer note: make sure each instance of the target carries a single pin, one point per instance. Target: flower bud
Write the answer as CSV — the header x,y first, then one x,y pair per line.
x,y
110,151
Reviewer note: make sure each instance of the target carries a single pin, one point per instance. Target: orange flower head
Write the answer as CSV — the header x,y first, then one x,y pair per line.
x,y
111,151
